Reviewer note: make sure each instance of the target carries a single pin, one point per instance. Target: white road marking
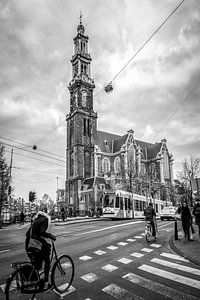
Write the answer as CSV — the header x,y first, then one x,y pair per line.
x,y
122,243
112,247
138,237
70,290
174,256
2,251
147,250
143,233
109,227
155,245
124,260
119,293
171,276
90,277
158,288
131,240
136,254
176,266
109,268
85,257
99,252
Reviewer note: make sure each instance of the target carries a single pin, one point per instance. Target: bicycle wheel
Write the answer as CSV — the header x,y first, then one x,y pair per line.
x,y
148,234
13,288
62,273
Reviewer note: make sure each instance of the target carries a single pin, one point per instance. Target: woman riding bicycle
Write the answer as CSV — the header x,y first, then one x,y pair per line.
x,y
38,232
150,215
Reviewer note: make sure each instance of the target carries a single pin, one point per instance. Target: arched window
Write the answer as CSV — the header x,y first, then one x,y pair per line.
x,y
106,165
117,167
153,170
84,98
72,165
143,169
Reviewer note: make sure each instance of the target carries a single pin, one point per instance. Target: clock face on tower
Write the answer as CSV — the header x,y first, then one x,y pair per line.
x,y
84,98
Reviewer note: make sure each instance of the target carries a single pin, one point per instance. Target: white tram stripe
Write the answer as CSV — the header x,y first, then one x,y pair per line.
x,y
176,266
174,256
172,276
117,292
158,287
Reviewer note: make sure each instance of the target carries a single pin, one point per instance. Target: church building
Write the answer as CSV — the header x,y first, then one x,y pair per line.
x,y
97,161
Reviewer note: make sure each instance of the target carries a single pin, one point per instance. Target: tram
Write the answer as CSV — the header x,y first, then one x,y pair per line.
x,y
121,204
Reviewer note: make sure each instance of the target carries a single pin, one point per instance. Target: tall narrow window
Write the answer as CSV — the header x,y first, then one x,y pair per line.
x,y
106,165
87,164
117,167
88,127
84,126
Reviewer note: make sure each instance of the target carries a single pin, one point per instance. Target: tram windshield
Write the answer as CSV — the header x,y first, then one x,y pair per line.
x,y
109,201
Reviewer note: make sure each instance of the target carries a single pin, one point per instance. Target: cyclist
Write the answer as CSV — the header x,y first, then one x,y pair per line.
x,y
150,215
38,231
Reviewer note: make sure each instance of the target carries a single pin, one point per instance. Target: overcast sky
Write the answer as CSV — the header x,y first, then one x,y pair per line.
x,y
156,95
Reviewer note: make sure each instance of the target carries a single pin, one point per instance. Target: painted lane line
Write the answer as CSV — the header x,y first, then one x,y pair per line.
x,y
112,247
122,243
90,277
109,268
147,250
136,254
100,252
70,290
138,237
119,293
131,240
171,276
124,260
143,233
158,287
155,245
85,257
176,266
3,251
174,256
109,227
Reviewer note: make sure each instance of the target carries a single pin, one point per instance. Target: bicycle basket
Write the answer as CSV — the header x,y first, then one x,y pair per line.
x,y
28,273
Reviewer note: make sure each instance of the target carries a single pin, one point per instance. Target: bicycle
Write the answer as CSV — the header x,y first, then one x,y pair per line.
x,y
26,281
148,231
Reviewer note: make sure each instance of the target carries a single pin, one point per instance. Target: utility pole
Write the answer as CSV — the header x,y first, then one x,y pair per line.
x,y
57,191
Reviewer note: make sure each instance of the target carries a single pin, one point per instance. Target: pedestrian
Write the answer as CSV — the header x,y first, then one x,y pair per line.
x,y
150,215
37,231
186,219
196,213
22,216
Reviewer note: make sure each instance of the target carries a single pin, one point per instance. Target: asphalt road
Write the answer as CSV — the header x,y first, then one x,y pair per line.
x,y
112,261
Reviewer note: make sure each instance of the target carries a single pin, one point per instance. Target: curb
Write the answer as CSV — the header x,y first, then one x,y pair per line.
x,y
68,222
181,253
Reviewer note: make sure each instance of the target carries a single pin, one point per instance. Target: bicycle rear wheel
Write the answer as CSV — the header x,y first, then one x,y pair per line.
x,y
62,273
148,233
13,288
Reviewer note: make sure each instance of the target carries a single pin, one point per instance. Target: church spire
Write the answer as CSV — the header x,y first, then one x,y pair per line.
x,y
80,27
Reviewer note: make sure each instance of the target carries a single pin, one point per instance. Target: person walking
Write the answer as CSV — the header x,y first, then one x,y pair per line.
x,y
196,213
150,215
37,231
22,216
186,219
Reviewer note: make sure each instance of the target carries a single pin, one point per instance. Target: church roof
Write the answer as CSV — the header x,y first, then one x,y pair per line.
x,y
112,143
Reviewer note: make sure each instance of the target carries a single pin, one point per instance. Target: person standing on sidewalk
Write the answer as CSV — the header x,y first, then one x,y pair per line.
x,y
196,213
186,219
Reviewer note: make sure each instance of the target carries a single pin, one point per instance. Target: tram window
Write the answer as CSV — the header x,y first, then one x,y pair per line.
x,y
106,200
126,203
117,202
156,207
129,203
121,202
137,203
143,206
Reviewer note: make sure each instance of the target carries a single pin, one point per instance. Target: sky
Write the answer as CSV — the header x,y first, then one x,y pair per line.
x,y
156,95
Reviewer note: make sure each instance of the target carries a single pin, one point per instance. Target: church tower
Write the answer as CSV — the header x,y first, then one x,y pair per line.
x,y
81,120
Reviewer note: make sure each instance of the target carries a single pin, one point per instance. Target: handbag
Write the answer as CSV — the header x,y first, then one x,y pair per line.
x,y
34,244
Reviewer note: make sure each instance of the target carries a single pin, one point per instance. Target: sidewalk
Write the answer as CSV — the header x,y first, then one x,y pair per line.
x,y
76,220
189,250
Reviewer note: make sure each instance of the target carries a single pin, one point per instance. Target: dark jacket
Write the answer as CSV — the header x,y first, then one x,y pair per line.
x,y
196,213
149,212
186,216
38,229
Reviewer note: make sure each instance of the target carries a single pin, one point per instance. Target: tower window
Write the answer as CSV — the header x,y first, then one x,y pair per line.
x,y
84,126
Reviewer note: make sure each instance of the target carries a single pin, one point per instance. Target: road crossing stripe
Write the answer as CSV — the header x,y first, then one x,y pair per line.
x,y
138,237
131,240
124,260
122,243
176,266
147,250
136,254
119,293
158,287
90,277
174,256
172,276
70,290
112,247
99,252
109,268
85,257
155,245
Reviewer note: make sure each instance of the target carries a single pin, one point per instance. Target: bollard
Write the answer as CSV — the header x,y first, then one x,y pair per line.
x,y
175,230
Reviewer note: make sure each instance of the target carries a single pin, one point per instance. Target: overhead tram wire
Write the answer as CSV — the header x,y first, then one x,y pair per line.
x,y
52,163
142,46
26,146
26,150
